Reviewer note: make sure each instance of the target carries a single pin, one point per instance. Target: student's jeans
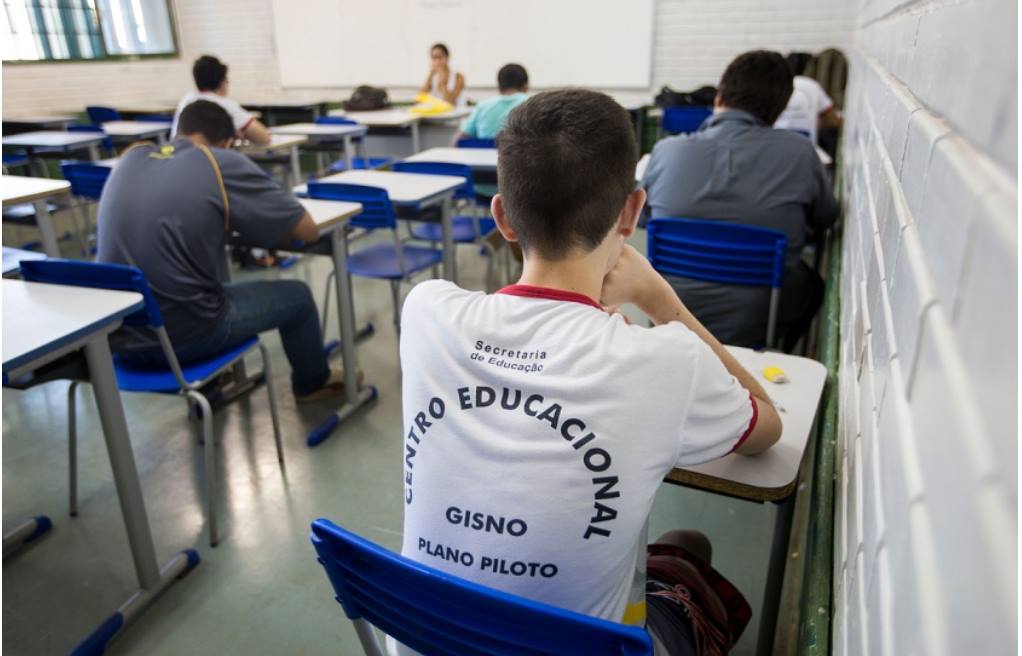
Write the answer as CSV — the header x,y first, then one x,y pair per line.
x,y
252,308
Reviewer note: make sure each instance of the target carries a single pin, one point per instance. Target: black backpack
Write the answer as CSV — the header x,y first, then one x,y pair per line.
x,y
366,98
701,97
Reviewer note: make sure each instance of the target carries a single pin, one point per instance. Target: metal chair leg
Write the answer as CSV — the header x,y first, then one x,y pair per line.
x,y
268,377
330,279
395,297
72,449
210,458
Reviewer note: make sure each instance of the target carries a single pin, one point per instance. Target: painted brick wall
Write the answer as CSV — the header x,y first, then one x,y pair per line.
x,y
693,42
925,541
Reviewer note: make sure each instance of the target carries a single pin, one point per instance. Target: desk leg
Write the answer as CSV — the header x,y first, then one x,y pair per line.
x,y
348,154
94,153
45,223
296,166
450,259
152,580
775,576
415,137
355,397
26,532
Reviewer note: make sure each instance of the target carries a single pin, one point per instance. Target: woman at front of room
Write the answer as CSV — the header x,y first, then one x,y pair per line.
x,y
442,82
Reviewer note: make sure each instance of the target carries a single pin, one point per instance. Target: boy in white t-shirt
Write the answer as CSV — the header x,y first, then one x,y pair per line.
x,y
210,75
538,426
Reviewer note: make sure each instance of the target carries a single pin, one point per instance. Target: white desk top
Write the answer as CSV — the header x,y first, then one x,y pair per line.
x,y
39,319
329,213
403,188
383,118
277,142
14,256
771,474
457,112
477,158
21,189
136,129
640,167
56,120
54,138
320,130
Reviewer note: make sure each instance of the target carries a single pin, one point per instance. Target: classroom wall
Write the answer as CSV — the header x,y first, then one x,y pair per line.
x,y
925,539
692,43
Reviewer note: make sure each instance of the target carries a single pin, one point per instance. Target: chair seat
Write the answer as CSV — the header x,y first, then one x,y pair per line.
x,y
381,260
15,160
361,163
24,213
463,230
131,378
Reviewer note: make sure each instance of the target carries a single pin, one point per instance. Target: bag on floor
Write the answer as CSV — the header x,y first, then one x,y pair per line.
x,y
366,99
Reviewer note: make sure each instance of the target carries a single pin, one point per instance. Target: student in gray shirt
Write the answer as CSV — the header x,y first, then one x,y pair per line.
x,y
738,168
169,210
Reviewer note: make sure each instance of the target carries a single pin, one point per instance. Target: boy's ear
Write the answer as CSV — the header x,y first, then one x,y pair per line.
x,y
500,218
629,217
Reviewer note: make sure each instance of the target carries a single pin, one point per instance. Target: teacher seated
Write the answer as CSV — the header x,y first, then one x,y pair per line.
x,y
442,82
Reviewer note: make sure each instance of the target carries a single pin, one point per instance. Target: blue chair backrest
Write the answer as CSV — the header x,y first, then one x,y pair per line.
x,y
377,211
154,118
335,120
677,120
469,142
436,613
102,114
86,180
717,251
466,191
120,277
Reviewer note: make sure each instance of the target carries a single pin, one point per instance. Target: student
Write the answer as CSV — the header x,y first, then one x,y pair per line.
x,y
442,82
168,210
538,426
809,107
737,168
487,118
211,84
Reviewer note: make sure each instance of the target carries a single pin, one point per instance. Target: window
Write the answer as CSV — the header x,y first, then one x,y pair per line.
x,y
54,30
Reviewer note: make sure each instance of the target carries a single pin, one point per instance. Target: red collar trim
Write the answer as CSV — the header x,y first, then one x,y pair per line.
x,y
549,294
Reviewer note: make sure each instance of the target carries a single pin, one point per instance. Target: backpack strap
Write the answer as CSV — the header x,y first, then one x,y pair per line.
x,y
220,182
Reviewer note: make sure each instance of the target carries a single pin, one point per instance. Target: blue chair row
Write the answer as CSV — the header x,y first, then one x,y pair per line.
x,y
188,380
340,165
87,182
680,120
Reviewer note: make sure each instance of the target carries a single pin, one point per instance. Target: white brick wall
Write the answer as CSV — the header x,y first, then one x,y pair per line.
x,y
925,549
693,42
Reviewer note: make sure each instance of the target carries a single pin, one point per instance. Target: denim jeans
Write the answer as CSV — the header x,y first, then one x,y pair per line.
x,y
255,307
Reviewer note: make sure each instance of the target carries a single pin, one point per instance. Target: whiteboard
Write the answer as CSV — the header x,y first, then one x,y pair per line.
x,y
344,43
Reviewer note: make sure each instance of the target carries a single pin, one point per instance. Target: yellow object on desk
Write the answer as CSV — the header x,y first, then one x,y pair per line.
x,y
775,375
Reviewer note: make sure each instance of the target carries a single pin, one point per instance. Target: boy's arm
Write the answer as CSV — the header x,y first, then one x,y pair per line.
x,y
633,280
256,132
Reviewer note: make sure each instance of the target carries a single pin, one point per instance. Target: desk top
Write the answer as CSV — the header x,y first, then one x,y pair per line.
x,y
46,121
457,112
54,138
277,142
21,189
13,257
403,188
477,158
39,319
329,213
772,474
135,128
320,129
382,118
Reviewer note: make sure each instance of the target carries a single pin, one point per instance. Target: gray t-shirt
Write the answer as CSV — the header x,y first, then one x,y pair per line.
x,y
162,210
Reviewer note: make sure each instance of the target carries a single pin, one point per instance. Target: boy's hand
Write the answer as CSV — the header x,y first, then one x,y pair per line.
x,y
632,280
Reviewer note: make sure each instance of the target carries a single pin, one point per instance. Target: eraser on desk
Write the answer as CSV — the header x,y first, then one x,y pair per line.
x,y
775,375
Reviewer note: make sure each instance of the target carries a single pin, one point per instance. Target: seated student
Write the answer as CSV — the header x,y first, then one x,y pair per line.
x,y
487,118
809,107
442,82
210,76
538,426
737,168
168,210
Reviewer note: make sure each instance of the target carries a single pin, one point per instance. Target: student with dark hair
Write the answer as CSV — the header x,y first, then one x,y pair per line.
x,y
210,75
737,168
487,118
442,82
169,209
538,425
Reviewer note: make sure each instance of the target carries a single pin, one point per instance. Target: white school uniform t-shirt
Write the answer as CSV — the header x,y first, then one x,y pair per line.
x,y
808,100
240,116
537,431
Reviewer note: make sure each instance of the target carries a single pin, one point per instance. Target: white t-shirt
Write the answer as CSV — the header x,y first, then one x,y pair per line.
x,y
537,431
239,115
437,92
807,102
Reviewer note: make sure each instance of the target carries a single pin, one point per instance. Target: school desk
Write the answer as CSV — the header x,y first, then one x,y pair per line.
x,y
279,143
16,189
773,474
387,120
44,322
129,131
326,132
13,257
478,159
56,141
43,122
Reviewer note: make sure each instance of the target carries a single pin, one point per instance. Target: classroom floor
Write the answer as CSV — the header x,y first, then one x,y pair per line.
x,y
261,591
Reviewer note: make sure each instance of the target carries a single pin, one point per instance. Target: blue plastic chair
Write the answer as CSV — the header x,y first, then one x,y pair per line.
x,y
443,615
186,380
100,115
680,120
471,142
87,181
15,160
340,165
717,251
395,262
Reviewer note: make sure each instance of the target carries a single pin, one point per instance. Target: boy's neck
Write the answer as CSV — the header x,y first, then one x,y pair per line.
x,y
582,275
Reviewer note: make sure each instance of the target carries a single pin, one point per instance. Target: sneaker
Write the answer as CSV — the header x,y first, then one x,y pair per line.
x,y
333,386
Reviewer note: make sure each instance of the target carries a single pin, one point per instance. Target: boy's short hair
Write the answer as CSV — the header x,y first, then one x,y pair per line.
x,y
758,82
209,73
566,165
512,76
441,47
208,119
